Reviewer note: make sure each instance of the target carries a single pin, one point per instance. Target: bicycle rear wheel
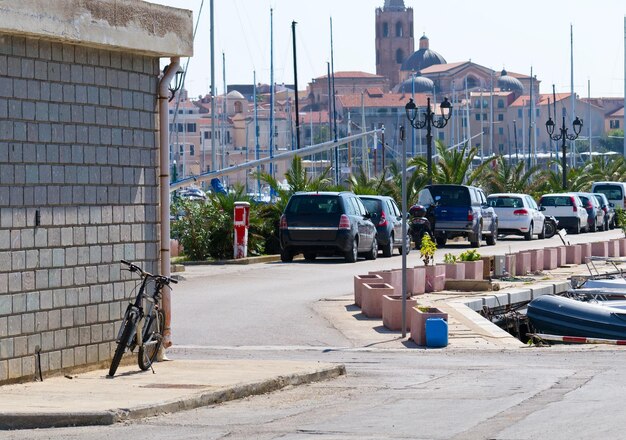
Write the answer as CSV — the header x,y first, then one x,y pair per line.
x,y
127,333
152,340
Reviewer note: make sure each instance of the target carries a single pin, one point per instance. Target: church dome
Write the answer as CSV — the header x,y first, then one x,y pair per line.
x,y
235,95
419,84
508,83
422,58
394,5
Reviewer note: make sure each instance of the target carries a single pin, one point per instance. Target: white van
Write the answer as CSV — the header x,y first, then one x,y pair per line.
x,y
614,191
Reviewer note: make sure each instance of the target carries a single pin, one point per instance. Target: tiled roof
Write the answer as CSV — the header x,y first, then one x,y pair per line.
x,y
437,68
352,74
617,113
386,100
314,117
542,99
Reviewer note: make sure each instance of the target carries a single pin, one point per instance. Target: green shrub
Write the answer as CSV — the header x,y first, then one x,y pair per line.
x,y
449,258
469,255
427,251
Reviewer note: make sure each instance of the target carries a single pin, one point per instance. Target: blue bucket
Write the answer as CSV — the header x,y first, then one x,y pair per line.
x,y
436,333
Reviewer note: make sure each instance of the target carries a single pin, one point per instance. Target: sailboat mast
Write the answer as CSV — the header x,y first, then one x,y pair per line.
x,y
334,108
295,84
589,116
530,119
624,118
271,143
212,38
223,118
573,97
257,147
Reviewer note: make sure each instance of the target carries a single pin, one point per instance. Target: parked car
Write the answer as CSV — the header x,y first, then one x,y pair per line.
x,y
460,211
609,211
595,213
387,218
568,209
614,191
518,214
327,223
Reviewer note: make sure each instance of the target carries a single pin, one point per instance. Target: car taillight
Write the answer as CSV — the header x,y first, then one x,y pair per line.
x,y
589,205
574,207
283,222
470,216
344,222
520,212
383,220
605,209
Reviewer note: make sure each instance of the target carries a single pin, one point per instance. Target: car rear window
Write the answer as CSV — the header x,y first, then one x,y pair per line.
x,y
313,205
505,202
556,201
612,192
373,205
451,195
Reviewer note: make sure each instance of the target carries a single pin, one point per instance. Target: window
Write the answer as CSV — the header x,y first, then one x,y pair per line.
x,y
477,103
500,117
207,135
478,116
171,152
614,124
191,128
399,56
238,107
385,29
500,130
519,112
180,128
192,150
484,116
181,150
399,29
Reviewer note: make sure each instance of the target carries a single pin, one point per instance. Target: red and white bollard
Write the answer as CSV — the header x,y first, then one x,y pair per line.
x,y
241,223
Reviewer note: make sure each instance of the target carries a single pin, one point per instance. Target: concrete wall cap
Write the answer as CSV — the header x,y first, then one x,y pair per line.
x,y
129,25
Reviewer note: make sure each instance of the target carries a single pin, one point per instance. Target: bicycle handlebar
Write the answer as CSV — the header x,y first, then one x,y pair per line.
x,y
134,268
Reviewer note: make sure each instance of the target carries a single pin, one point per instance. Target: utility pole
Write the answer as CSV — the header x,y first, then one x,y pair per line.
x,y
295,84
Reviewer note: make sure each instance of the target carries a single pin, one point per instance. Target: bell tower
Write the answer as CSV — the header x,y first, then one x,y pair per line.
x,y
394,38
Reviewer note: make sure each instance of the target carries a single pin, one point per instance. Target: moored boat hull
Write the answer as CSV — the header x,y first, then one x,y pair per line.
x,y
568,317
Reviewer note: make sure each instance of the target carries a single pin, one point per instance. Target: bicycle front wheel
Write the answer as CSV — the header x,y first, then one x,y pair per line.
x,y
152,340
121,345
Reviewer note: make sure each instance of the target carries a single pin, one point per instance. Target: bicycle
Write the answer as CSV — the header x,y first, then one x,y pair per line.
x,y
144,321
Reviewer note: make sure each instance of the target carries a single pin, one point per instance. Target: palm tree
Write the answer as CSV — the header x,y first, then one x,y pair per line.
x,y
506,177
578,179
362,184
453,166
417,180
606,168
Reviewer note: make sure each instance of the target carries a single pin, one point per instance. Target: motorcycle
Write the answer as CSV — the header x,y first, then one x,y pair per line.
x,y
551,226
419,225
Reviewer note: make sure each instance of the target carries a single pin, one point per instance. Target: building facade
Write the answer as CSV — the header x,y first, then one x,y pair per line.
x,y
79,173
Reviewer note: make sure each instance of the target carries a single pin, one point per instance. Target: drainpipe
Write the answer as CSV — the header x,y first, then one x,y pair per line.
x,y
164,186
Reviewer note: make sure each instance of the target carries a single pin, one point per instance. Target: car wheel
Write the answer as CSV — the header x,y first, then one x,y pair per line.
x,y
388,248
593,227
353,254
542,234
441,240
373,252
529,235
576,230
286,256
612,223
493,238
309,256
479,238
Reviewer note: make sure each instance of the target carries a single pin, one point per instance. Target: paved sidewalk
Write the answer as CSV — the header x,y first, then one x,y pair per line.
x,y
93,399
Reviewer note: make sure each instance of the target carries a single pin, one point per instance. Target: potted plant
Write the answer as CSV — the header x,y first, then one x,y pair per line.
x,y
454,270
435,274
473,264
419,314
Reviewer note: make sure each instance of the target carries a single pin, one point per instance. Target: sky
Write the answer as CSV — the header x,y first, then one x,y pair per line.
x,y
495,34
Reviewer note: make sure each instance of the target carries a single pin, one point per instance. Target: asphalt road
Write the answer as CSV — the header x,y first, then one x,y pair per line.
x,y
268,311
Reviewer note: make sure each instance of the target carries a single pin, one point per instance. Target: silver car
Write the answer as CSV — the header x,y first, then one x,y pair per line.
x,y
518,214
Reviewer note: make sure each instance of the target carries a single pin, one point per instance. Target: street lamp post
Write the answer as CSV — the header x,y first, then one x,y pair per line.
x,y
563,136
428,121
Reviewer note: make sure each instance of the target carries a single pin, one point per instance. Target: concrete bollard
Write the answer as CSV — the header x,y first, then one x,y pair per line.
x,y
622,247
522,266
474,270
359,280
419,280
585,251
550,259
573,254
600,249
510,263
372,298
391,277
455,271
613,248
561,256
536,260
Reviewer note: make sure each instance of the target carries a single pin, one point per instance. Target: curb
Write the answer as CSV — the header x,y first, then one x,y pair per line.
x,y
244,261
109,417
